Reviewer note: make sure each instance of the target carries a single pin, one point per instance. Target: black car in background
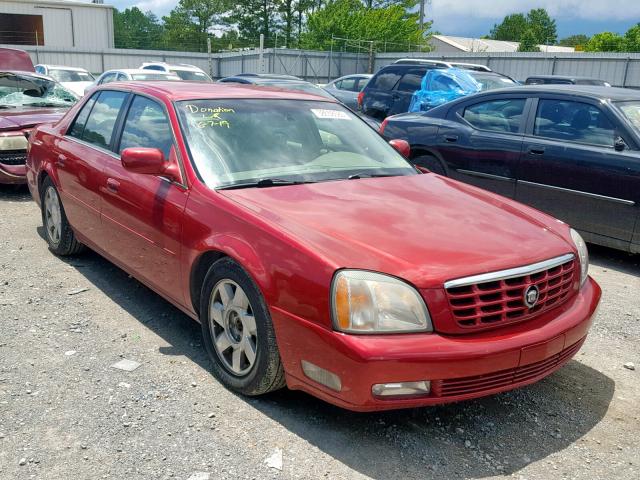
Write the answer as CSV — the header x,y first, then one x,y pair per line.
x,y
390,90
571,151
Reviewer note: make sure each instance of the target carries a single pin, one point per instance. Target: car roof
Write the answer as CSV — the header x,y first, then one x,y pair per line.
x,y
73,69
135,70
194,91
175,66
591,91
563,77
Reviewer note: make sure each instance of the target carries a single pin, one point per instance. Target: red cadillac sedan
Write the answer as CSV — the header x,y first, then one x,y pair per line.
x,y
311,252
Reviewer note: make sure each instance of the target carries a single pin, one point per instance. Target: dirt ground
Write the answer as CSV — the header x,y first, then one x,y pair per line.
x,y
66,414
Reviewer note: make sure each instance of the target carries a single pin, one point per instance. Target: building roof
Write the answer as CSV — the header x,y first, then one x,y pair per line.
x,y
68,3
466,44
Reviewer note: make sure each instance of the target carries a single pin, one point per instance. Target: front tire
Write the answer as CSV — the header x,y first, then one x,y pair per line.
x,y
59,234
237,331
430,162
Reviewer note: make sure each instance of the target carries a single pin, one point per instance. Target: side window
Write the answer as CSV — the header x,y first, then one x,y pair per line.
x,y
122,77
40,70
99,127
573,121
154,67
77,128
385,80
361,84
146,126
348,84
109,77
496,115
412,80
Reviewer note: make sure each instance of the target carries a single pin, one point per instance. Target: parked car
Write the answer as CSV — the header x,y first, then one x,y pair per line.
x,y
346,88
443,64
129,74
573,152
390,90
311,252
182,70
73,78
564,80
26,100
13,59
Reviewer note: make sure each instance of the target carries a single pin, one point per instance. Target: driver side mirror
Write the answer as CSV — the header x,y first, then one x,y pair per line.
x,y
148,161
619,144
402,146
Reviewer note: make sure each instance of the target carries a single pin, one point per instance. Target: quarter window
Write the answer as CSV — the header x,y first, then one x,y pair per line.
x,y
386,80
99,127
496,115
573,121
146,126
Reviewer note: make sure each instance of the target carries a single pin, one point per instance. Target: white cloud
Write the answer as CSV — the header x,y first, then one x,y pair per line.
x,y
156,6
560,9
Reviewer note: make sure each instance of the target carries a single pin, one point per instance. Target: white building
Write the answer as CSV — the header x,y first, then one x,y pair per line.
x,y
448,44
56,23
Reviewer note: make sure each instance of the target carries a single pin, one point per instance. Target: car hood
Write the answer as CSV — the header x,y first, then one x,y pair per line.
x,y
424,228
27,117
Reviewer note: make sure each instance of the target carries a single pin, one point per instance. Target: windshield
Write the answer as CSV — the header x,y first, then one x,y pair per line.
x,y
62,75
490,82
144,77
25,90
241,141
631,111
191,76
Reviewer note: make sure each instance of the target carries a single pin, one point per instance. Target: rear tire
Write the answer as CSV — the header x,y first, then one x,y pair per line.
x,y
59,234
430,162
237,331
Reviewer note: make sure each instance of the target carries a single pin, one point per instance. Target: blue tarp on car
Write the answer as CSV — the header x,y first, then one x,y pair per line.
x,y
443,85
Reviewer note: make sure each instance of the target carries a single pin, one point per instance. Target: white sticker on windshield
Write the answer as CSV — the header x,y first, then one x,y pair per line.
x,y
330,114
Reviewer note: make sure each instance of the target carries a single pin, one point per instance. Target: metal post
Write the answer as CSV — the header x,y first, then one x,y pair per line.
x,y
330,60
37,41
242,61
261,54
626,71
275,54
209,55
421,14
553,65
370,70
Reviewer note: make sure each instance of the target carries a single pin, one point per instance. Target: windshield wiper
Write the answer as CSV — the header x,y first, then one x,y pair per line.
x,y
358,175
8,106
263,183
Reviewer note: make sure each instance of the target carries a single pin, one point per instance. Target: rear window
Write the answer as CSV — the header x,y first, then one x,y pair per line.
x,y
191,76
412,80
385,80
153,76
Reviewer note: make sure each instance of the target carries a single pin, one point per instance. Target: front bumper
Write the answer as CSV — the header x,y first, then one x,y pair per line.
x,y
459,367
13,174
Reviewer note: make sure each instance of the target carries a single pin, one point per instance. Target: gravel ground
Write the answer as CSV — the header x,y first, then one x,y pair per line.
x,y
66,413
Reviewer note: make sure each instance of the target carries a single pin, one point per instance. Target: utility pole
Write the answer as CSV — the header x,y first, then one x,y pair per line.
x,y
422,14
261,54
209,56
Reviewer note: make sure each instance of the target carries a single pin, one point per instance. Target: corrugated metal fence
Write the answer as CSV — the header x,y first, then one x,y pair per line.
x,y
620,69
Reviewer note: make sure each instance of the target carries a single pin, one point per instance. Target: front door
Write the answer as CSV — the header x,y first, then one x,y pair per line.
x,y
80,157
142,214
571,170
483,147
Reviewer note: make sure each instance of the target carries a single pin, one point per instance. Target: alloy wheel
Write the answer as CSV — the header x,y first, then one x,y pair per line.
x,y
52,215
233,327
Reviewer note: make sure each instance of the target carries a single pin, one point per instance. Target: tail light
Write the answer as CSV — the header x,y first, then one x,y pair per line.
x,y
383,125
360,98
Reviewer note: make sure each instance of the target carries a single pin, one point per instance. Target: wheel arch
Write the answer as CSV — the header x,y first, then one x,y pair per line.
x,y
423,150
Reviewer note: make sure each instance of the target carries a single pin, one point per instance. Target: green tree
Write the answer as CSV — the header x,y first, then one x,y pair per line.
x,y
632,39
542,26
605,42
579,40
351,19
528,42
254,17
188,24
510,29
134,29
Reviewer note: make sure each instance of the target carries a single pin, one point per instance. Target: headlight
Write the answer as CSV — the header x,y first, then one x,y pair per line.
x,y
367,302
583,255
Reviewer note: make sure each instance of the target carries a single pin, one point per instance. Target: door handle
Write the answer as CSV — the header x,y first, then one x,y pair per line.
x,y
536,151
451,138
61,160
113,185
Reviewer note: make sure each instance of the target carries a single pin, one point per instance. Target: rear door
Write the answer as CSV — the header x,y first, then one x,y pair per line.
x,y
405,88
570,169
80,156
482,143
142,214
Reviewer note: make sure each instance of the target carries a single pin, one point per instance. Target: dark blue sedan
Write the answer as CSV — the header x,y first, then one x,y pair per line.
x,y
571,151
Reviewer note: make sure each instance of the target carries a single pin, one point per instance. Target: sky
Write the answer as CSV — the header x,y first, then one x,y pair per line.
x,y
452,17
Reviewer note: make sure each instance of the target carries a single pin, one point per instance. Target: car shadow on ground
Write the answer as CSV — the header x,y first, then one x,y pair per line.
x,y
15,193
497,435
614,259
